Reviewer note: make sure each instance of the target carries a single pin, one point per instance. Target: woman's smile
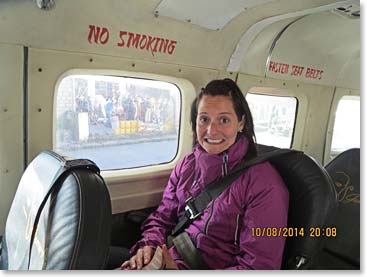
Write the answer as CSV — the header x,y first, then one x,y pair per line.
x,y
213,141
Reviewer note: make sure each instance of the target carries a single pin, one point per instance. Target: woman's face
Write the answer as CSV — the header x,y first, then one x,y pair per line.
x,y
217,124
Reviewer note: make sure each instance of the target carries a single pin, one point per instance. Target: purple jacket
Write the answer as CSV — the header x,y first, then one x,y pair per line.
x,y
224,233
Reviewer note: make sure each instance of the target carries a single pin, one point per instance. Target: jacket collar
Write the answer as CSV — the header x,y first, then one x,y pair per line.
x,y
209,167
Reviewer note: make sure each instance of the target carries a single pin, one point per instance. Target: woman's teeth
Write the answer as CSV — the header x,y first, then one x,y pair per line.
x,y
214,140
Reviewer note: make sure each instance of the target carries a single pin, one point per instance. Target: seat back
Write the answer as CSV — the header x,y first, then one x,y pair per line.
x,y
345,172
312,204
73,231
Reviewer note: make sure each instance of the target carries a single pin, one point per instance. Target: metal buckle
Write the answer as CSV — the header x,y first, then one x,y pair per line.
x,y
191,211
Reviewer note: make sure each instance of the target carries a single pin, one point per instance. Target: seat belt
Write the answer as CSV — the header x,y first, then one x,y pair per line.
x,y
195,206
66,166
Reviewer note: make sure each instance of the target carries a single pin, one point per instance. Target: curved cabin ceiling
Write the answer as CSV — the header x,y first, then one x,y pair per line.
x,y
321,48
209,14
316,44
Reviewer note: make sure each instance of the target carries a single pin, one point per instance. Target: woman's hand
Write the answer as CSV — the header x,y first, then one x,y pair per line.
x,y
140,259
168,260
144,256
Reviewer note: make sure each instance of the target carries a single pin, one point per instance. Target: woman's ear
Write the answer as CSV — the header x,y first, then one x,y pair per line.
x,y
241,124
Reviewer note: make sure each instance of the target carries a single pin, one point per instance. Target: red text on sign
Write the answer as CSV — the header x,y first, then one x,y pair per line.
x,y
98,34
296,70
146,42
314,73
276,67
101,35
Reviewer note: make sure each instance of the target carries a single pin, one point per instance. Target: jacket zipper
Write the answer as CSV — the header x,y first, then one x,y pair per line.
x,y
236,238
195,182
225,164
224,173
210,216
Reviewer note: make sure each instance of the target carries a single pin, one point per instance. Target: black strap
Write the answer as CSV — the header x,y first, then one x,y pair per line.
x,y
66,166
188,252
195,206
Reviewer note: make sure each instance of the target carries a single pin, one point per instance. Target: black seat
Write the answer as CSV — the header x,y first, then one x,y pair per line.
x,y
73,231
343,251
312,204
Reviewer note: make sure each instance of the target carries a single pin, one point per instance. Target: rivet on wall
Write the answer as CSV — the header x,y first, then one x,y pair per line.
x,y
179,70
39,110
40,69
133,64
91,60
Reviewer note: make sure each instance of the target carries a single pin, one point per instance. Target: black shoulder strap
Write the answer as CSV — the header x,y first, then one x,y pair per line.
x,y
66,166
195,206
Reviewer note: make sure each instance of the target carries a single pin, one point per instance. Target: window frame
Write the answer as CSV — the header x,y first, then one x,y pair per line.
x,y
302,107
295,116
339,94
183,85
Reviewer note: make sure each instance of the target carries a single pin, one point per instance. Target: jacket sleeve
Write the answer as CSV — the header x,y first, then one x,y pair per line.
x,y
157,226
266,209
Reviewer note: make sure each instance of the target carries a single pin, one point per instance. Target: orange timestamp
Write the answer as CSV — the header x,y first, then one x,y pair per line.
x,y
293,232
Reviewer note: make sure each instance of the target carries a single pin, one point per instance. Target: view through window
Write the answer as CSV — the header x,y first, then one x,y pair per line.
x,y
346,132
117,122
274,118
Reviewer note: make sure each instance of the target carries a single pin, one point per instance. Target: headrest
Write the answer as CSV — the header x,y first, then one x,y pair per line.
x,y
345,172
345,169
73,231
312,204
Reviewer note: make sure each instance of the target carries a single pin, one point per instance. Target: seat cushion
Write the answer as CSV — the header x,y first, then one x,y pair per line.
x,y
74,227
345,172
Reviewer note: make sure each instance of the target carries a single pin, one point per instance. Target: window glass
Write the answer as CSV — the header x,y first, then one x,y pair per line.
x,y
274,118
346,132
117,122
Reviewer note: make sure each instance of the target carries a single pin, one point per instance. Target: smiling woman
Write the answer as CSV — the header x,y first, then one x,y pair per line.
x,y
223,139
217,123
219,114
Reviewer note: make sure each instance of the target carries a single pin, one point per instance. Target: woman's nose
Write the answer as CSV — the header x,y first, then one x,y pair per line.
x,y
212,128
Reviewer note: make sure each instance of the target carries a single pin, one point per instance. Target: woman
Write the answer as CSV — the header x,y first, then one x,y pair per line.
x,y
223,135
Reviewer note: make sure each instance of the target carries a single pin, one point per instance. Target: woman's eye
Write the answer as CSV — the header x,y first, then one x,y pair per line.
x,y
224,120
203,120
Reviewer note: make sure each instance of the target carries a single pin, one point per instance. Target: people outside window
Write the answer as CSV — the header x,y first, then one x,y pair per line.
x,y
108,108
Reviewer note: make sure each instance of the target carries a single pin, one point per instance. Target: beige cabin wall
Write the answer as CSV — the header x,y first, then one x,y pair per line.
x,y
11,126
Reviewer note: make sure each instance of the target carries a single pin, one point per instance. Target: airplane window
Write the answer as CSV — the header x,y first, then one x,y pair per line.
x,y
274,118
117,122
346,132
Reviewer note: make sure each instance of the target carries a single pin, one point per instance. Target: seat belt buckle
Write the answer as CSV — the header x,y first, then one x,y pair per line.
x,y
190,209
